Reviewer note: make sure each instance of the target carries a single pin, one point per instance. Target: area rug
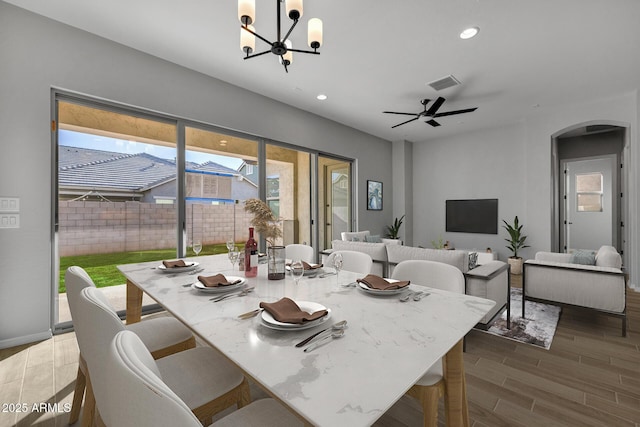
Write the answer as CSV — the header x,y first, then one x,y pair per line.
x,y
538,326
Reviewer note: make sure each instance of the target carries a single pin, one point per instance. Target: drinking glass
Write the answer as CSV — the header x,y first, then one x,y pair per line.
x,y
197,247
337,264
230,244
297,270
233,256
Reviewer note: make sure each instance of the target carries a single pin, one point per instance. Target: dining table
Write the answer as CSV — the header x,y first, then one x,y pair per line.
x,y
349,381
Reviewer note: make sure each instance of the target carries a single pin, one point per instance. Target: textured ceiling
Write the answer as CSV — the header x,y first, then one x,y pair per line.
x,y
380,56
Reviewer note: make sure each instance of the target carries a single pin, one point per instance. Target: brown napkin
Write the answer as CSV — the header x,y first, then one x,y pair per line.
x,y
377,282
287,311
308,266
217,280
174,264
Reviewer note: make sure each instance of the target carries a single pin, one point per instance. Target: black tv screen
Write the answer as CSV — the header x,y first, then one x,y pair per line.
x,y
473,216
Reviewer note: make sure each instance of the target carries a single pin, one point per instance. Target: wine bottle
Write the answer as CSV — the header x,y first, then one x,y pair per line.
x,y
251,256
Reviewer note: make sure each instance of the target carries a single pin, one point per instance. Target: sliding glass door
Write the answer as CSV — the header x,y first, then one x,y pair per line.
x,y
116,195
334,183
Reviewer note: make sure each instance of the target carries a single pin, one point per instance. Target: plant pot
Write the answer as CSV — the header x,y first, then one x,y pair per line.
x,y
515,264
275,262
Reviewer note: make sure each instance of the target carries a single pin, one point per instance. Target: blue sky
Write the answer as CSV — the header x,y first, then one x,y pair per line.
x,y
96,142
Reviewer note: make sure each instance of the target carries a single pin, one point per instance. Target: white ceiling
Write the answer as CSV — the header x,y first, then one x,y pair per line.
x,y
380,55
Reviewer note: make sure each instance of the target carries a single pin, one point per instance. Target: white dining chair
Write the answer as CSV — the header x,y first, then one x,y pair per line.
x,y
357,262
162,336
297,251
431,387
204,379
140,397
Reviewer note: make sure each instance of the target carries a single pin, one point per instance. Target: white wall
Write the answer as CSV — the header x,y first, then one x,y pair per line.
x,y
37,54
483,165
513,163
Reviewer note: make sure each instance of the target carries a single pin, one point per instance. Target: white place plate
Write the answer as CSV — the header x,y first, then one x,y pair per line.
x,y
198,286
365,288
310,307
188,267
309,272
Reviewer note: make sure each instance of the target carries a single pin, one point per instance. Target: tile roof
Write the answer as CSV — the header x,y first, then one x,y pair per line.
x,y
83,167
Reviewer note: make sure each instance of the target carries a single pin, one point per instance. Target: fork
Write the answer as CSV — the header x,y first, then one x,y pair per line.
x,y
237,294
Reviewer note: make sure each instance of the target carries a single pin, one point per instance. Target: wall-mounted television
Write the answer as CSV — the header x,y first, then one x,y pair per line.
x,y
472,216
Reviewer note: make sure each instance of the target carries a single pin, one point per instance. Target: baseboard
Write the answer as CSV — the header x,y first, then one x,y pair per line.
x,y
13,342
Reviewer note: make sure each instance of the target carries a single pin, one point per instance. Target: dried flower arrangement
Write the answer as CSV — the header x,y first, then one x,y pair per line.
x,y
263,220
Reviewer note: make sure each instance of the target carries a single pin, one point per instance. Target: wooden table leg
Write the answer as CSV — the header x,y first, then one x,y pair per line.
x,y
455,398
134,303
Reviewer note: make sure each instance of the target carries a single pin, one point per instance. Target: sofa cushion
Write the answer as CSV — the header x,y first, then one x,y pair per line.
x,y
459,259
376,251
354,236
583,257
608,256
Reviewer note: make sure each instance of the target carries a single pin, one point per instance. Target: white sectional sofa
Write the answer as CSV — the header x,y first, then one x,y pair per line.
x,y
557,278
490,280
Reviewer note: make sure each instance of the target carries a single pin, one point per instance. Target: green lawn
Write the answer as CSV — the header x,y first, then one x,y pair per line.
x,y
102,267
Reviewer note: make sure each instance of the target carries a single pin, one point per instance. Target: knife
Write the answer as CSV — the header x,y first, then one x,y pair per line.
x,y
334,326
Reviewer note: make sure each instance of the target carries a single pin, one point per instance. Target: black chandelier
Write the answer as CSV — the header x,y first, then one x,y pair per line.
x,y
282,47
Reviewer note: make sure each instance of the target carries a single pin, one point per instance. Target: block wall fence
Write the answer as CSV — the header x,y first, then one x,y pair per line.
x,y
91,227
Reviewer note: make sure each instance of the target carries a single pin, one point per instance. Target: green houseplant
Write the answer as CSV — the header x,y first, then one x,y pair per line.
x,y
393,230
516,242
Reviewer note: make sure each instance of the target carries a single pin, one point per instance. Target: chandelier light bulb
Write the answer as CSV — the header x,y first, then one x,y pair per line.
x,y
247,40
247,11
294,9
315,33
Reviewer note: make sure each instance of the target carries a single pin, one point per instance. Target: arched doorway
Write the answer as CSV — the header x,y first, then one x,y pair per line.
x,y
589,182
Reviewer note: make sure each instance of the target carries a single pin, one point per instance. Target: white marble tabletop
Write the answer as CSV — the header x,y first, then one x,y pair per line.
x,y
351,381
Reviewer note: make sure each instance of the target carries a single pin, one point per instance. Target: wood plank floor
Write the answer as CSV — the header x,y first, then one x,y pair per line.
x,y
589,377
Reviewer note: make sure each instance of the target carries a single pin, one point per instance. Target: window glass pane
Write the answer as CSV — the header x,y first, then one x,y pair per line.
x,y
220,175
288,192
589,183
589,202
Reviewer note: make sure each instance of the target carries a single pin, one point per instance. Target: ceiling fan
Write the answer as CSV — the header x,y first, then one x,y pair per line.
x,y
432,112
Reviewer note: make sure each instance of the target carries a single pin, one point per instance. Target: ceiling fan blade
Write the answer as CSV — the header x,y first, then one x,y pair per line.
x,y
435,106
395,112
404,123
433,123
451,113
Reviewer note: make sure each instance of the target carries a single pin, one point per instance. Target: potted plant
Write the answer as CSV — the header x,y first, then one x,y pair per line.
x,y
393,230
516,242
265,223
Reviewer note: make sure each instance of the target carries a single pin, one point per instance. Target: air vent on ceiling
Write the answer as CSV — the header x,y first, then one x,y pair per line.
x,y
444,82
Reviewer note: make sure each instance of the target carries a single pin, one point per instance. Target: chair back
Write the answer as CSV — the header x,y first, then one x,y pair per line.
x,y
76,279
138,396
358,262
96,323
430,273
296,251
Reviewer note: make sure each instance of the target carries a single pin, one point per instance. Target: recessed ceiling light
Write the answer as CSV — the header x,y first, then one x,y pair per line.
x,y
321,97
469,33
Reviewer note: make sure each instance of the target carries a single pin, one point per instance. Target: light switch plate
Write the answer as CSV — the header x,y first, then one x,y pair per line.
x,y
9,220
9,204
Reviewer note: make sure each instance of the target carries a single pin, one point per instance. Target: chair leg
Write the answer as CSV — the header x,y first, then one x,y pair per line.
x,y
239,396
428,396
78,394
89,412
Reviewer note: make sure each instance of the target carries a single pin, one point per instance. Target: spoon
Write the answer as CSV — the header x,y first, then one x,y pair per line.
x,y
336,327
334,335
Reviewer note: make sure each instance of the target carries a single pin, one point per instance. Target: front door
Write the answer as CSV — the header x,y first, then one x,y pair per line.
x,y
589,213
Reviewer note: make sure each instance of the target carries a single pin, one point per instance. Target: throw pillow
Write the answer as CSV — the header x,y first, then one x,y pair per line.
x,y
583,257
355,239
374,238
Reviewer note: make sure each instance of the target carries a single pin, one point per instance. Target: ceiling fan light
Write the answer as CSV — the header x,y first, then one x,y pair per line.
x,y
315,33
247,11
247,40
469,33
294,9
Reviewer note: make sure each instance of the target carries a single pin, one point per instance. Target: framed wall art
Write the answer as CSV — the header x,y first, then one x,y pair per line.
x,y
374,195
